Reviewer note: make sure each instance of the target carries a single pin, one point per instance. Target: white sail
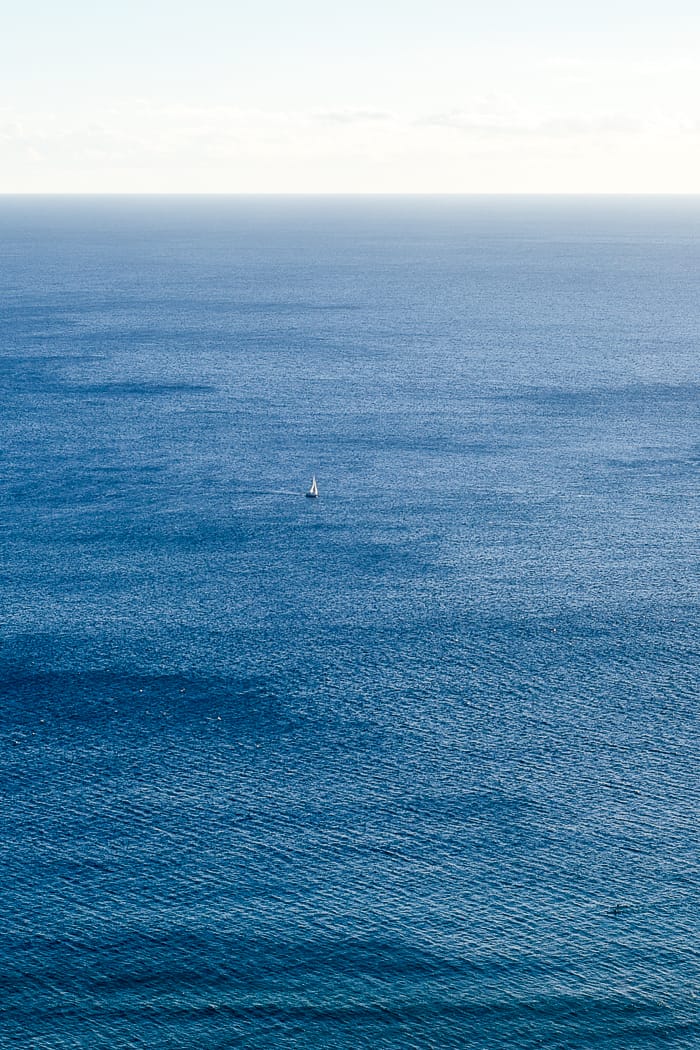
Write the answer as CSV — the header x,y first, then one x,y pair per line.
x,y
313,491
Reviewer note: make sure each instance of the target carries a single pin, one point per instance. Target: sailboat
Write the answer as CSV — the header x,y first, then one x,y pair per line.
x,y
313,491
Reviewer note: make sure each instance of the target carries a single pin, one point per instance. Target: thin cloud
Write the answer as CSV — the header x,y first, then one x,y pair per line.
x,y
509,125
354,116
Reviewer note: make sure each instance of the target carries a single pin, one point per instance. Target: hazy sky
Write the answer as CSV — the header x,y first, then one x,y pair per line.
x,y
308,96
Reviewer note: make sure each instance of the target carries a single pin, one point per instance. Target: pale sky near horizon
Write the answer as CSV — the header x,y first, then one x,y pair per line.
x,y
310,97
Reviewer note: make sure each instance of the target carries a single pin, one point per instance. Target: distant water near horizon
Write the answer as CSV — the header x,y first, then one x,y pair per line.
x,y
412,765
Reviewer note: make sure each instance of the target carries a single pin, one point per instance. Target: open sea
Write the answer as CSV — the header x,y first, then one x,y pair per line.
x,y
412,765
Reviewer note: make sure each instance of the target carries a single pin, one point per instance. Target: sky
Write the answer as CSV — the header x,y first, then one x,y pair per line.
x,y
368,97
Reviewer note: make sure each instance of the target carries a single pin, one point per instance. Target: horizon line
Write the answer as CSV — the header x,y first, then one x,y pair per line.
x,y
349,193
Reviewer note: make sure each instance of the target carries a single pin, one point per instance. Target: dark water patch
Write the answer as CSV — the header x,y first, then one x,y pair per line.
x,y
142,389
654,394
95,696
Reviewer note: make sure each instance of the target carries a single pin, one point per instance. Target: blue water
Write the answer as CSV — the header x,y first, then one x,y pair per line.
x,y
413,765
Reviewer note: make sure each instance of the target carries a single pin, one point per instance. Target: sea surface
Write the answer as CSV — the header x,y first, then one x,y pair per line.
x,y
412,765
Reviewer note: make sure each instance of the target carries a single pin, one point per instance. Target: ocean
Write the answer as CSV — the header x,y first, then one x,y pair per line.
x,y
415,764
